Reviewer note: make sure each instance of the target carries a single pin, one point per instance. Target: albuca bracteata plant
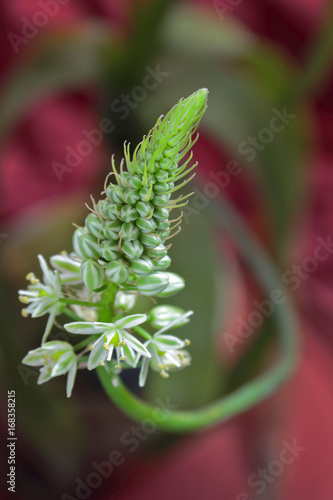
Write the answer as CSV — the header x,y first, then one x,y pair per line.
x,y
120,253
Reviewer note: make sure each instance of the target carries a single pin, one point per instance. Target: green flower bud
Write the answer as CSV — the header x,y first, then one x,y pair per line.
x,y
109,250
123,179
111,210
165,163
160,188
142,266
129,231
161,200
85,245
141,167
161,175
161,316
146,194
132,249
156,253
164,235
135,181
146,225
115,193
94,225
161,213
176,284
131,196
150,240
91,274
153,284
128,213
117,271
144,209
112,229
162,264
162,225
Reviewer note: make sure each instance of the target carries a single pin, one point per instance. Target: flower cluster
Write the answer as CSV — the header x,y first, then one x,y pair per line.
x,y
120,253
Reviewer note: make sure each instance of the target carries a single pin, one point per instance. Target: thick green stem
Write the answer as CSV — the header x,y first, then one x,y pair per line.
x,y
252,392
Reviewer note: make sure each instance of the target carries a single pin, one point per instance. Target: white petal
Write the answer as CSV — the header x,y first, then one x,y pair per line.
x,y
49,325
97,354
168,342
47,273
143,372
62,364
43,306
84,327
130,321
174,323
136,344
44,375
70,380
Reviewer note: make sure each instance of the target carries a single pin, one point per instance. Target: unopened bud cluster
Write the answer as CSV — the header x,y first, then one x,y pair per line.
x,y
126,236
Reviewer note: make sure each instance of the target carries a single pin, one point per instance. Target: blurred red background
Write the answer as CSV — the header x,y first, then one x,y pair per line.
x,y
60,80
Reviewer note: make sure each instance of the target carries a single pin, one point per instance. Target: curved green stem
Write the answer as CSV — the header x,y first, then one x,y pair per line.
x,y
250,393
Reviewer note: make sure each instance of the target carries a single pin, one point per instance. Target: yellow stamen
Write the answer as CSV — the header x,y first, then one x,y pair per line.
x,y
118,367
161,367
106,347
187,342
63,252
101,363
24,313
122,343
123,358
24,300
180,356
29,276
34,281
91,347
164,374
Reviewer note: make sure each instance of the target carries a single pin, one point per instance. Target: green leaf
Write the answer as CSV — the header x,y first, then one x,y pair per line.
x,y
57,61
194,256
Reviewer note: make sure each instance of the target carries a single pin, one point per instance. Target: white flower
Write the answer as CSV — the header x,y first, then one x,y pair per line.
x,y
167,353
56,358
43,298
113,336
